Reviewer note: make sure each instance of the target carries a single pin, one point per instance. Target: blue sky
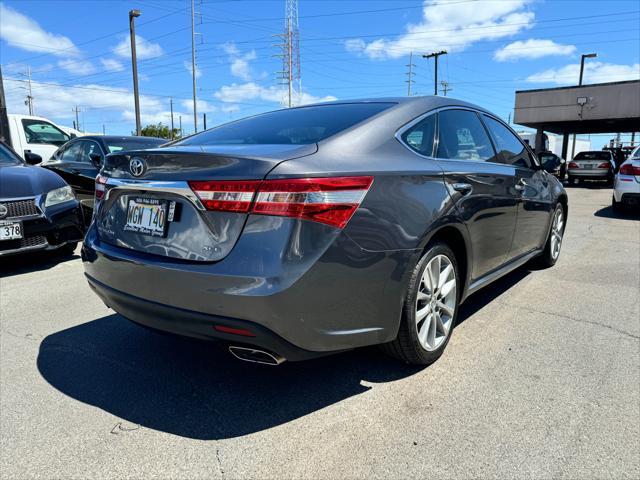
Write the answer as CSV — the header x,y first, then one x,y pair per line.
x,y
79,56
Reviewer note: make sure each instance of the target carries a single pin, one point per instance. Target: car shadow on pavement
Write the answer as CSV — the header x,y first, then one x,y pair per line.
x,y
630,213
32,262
196,389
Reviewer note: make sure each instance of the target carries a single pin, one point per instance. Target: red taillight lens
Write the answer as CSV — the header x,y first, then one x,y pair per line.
x,y
331,201
100,186
573,165
604,165
629,169
232,196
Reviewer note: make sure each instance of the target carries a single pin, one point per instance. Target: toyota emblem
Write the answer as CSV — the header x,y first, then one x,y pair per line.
x,y
137,167
3,210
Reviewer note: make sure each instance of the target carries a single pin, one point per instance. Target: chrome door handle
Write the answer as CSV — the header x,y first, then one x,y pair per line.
x,y
463,188
520,185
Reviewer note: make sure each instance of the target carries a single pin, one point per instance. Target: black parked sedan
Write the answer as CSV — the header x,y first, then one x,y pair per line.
x,y
322,228
38,210
78,161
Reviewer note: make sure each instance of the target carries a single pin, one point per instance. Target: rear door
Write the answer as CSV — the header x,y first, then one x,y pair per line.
x,y
483,189
534,196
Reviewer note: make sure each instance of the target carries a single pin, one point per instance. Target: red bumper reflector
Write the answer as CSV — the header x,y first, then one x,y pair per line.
x,y
234,331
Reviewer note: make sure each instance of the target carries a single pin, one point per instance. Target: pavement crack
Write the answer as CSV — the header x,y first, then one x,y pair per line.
x,y
580,320
219,462
28,336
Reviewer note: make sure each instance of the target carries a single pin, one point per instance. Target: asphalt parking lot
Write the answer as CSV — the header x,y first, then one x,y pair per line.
x,y
541,379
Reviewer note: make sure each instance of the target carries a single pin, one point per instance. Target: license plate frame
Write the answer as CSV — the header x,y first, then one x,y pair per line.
x,y
150,213
8,228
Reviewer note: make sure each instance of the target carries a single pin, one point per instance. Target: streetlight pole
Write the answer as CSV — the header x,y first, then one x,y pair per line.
x,y
193,67
586,55
134,64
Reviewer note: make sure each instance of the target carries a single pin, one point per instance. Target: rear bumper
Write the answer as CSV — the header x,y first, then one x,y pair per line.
x,y
58,227
304,286
195,324
626,188
593,174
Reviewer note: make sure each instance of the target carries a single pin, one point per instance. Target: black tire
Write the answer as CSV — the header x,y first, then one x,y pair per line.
x,y
406,347
546,258
69,248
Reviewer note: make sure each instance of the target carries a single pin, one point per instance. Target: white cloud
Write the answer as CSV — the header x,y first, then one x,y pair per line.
x,y
203,106
187,65
144,48
532,49
240,67
111,64
77,66
239,93
450,25
594,72
22,32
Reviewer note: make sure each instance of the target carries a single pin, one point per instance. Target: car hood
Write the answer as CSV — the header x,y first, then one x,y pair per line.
x,y
27,181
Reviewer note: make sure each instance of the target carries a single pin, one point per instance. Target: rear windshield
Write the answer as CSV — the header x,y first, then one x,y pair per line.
x,y
295,126
593,156
117,144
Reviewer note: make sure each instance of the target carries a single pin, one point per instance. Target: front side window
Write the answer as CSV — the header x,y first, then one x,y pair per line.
x,y
72,153
293,126
41,132
88,148
462,136
420,136
510,149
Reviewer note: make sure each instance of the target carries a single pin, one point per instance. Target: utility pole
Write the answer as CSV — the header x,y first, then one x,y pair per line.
x,y
134,63
5,134
30,96
435,56
171,107
104,131
76,123
204,121
180,118
193,65
410,74
587,55
445,87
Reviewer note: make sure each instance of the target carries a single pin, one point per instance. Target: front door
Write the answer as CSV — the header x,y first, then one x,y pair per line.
x,y
483,189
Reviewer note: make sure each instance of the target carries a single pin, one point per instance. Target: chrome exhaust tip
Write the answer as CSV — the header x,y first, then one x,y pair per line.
x,y
256,356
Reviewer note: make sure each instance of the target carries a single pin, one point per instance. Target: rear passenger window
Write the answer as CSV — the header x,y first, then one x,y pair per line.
x,y
420,136
510,149
462,136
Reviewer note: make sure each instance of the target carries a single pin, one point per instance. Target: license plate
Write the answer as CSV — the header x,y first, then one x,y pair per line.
x,y
10,230
589,165
147,216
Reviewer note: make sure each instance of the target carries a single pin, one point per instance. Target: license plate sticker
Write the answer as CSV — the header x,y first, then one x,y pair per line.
x,y
147,216
10,230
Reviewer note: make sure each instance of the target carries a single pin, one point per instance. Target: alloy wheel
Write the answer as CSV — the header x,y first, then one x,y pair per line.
x,y
436,302
556,232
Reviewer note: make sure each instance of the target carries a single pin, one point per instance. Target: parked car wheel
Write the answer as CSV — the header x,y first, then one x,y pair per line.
x,y
551,252
430,308
69,248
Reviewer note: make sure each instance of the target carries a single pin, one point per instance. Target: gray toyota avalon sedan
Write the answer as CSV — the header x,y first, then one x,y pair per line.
x,y
301,232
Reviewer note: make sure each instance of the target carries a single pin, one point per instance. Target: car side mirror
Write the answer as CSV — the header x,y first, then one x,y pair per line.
x,y
32,158
72,135
96,159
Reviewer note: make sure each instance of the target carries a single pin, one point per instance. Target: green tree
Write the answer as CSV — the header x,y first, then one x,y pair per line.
x,y
159,130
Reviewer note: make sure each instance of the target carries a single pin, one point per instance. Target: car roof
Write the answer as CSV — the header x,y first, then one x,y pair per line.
x,y
119,137
426,102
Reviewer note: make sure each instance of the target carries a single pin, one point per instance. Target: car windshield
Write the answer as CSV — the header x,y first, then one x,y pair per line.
x,y
8,158
295,126
593,156
117,144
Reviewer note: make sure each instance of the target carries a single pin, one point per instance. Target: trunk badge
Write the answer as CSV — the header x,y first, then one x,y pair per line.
x,y
137,166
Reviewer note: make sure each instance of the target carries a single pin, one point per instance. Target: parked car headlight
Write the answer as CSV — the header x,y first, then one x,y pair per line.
x,y
59,195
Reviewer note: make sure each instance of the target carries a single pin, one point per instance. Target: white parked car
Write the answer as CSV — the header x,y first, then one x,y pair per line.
x,y
626,186
36,135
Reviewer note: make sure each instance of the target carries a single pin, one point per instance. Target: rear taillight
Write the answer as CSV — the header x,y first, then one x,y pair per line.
x,y
331,201
629,169
233,196
100,186
573,165
604,165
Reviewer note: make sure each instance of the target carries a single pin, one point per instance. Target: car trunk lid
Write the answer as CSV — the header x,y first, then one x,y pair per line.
x,y
150,208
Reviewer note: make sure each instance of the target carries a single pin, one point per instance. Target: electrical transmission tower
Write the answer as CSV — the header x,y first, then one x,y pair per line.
x,y
289,76
410,74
